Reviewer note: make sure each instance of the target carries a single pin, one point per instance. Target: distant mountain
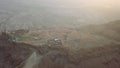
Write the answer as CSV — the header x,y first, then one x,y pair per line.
x,y
110,30
114,25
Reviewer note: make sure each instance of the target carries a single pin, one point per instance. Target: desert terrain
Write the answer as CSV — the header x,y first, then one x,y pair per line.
x,y
59,34
91,46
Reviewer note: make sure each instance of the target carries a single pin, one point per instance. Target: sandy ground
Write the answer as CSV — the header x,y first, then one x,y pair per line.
x,y
98,47
20,55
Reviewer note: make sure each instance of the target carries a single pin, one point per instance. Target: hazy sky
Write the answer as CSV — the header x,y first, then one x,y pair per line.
x,y
58,13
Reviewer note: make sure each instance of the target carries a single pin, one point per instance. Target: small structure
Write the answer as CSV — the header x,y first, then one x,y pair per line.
x,y
55,42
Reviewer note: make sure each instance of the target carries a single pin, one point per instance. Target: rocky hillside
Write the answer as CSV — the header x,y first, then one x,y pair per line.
x,y
94,46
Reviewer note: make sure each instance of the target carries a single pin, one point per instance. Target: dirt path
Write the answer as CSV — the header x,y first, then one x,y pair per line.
x,y
33,60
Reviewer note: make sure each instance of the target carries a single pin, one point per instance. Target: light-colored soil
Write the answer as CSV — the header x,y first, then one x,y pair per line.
x,y
90,47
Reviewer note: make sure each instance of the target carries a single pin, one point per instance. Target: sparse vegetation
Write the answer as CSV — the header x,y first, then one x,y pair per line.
x,y
64,48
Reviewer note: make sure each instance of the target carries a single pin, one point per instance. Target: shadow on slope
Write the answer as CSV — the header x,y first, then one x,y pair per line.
x,y
20,55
